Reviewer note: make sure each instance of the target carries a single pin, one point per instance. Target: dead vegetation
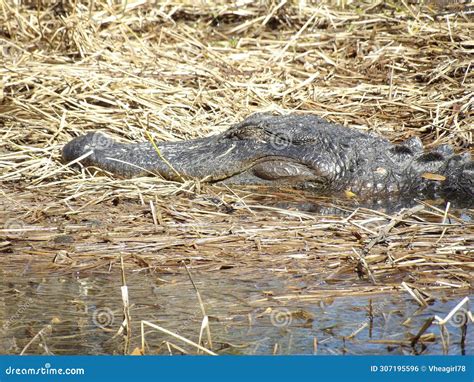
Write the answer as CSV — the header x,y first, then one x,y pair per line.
x,y
183,69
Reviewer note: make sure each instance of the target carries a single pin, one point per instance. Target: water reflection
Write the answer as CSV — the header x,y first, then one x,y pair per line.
x,y
81,315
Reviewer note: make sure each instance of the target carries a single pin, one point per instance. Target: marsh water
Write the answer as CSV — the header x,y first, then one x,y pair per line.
x,y
78,314
61,293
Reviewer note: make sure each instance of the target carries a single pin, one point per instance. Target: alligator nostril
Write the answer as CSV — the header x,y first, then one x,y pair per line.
x,y
400,149
432,156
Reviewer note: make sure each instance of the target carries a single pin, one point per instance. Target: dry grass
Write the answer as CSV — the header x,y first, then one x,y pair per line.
x,y
184,69
422,246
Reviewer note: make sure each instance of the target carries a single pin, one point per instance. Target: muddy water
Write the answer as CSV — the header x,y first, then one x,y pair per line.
x,y
293,292
80,314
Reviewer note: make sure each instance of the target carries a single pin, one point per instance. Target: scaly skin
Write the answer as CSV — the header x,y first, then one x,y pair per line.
x,y
302,151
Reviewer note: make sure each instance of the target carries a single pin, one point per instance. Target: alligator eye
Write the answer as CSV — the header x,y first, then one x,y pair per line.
x,y
401,150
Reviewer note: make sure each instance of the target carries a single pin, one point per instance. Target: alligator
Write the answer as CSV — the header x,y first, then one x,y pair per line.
x,y
301,151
